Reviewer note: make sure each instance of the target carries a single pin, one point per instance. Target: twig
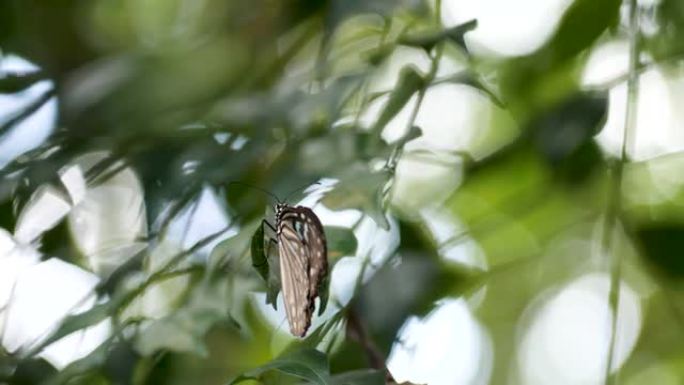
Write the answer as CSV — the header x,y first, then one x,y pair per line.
x,y
614,204
356,330
28,111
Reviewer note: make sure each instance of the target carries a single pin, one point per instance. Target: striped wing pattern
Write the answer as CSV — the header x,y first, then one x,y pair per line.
x,y
303,263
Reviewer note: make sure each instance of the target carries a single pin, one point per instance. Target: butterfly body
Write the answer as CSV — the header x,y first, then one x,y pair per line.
x,y
303,262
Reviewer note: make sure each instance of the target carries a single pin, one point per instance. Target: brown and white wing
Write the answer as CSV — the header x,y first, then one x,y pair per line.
x,y
315,243
294,265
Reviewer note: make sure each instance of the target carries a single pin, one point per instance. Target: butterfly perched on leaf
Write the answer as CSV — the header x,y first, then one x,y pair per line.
x,y
303,263
303,256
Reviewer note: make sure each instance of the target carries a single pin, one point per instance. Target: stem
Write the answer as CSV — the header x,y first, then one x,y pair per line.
x,y
364,91
357,331
434,65
27,111
616,185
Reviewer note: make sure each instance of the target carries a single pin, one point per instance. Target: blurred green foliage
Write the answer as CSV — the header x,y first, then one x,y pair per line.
x,y
284,84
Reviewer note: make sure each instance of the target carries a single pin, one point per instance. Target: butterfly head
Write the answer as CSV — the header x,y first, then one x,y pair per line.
x,y
279,209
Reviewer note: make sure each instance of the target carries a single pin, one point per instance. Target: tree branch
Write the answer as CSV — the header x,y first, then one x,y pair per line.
x,y
614,203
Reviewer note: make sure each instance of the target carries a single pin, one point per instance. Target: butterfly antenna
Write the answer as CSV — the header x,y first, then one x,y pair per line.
x,y
299,189
257,188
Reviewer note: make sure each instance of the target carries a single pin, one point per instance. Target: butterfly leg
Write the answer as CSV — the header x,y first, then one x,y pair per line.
x,y
271,241
270,226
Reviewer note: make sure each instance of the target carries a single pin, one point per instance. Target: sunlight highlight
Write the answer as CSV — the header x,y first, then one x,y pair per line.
x,y
566,340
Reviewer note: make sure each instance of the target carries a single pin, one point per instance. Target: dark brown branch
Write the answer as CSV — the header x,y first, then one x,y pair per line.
x,y
357,331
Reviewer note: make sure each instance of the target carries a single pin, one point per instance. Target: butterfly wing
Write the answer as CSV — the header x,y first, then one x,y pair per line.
x,y
317,250
303,264
294,266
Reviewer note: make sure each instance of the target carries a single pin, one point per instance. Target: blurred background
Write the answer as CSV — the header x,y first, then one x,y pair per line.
x,y
501,185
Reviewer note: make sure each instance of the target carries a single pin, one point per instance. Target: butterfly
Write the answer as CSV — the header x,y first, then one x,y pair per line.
x,y
303,255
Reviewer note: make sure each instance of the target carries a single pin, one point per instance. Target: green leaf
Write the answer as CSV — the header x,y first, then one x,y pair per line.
x,y
413,133
324,292
564,135
185,329
314,339
582,24
341,242
428,41
662,245
28,371
359,188
234,247
273,284
112,281
92,361
16,82
377,55
259,260
472,79
410,81
308,364
73,323
360,377
531,83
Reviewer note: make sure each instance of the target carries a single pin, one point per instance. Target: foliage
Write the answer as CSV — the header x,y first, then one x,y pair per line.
x,y
279,96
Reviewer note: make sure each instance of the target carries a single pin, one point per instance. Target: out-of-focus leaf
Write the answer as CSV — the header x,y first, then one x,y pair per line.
x,y
360,377
361,189
266,266
379,54
668,42
72,323
565,127
234,247
662,245
31,371
324,292
470,78
11,83
7,217
315,337
512,205
273,285
111,282
341,242
428,41
259,260
531,83
410,81
121,362
184,329
57,242
308,364
423,277
584,21
7,21
564,135
325,154
94,360
413,133
340,10
29,110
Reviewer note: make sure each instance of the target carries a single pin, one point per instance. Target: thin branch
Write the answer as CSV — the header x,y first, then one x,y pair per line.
x,y
614,204
641,67
364,96
26,112
356,330
17,81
